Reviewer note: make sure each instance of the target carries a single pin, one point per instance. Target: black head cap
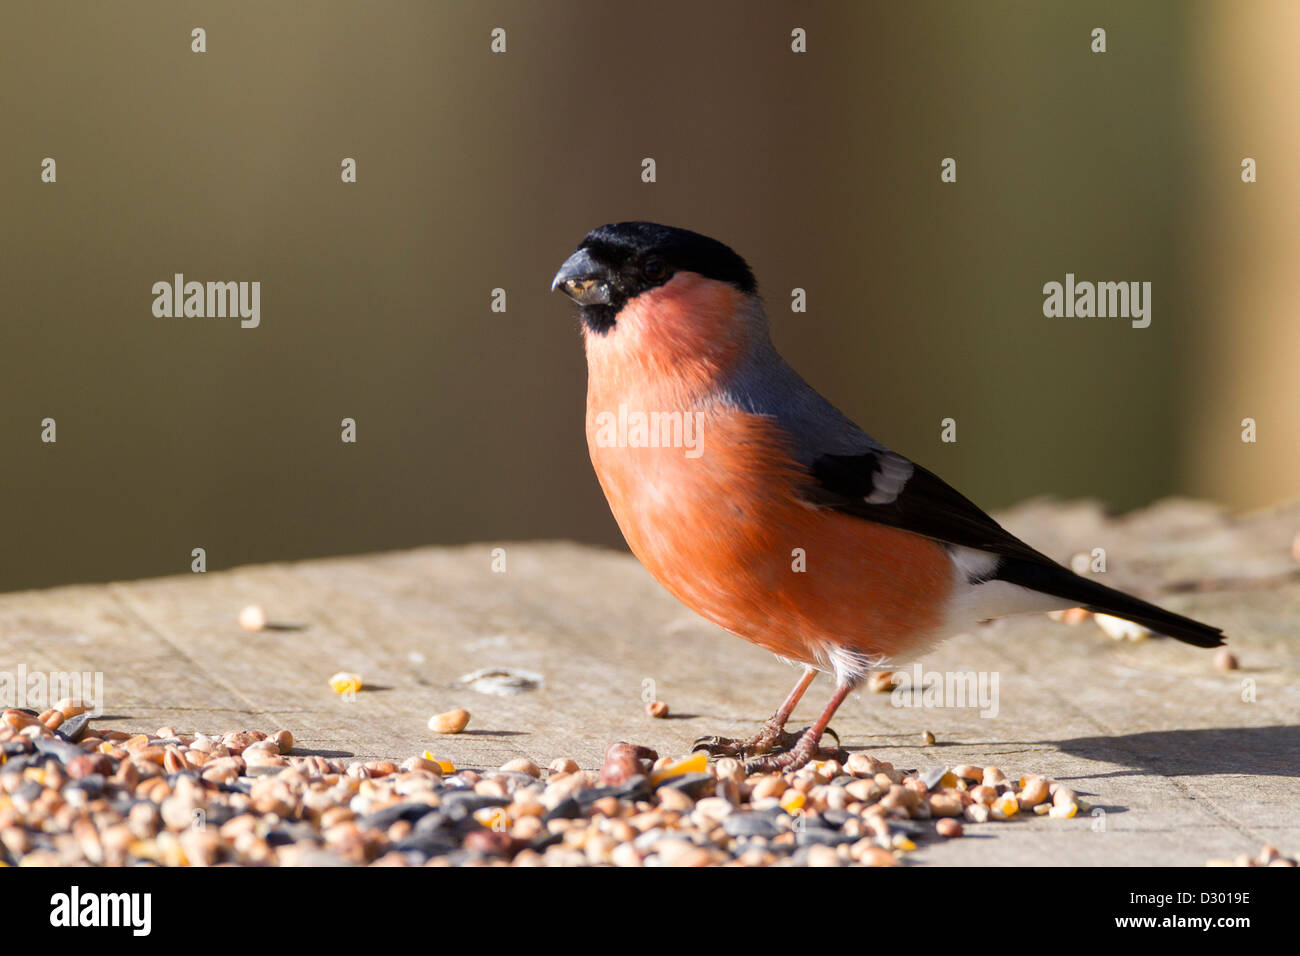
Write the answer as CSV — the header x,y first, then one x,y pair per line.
x,y
620,261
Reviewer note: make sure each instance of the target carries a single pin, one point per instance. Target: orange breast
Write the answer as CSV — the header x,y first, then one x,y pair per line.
x,y
724,533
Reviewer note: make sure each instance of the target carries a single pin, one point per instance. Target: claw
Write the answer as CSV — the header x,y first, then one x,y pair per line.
x,y
718,746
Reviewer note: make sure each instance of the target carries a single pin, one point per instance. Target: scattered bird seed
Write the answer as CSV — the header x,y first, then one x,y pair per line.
x,y
451,722
881,682
244,798
1268,856
252,618
927,738
1225,660
345,682
1120,629
657,709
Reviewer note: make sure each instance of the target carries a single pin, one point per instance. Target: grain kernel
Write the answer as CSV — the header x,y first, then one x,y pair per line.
x,y
252,618
948,827
345,682
881,682
451,722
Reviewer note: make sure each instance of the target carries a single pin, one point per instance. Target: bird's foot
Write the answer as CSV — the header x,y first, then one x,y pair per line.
x,y
765,741
807,746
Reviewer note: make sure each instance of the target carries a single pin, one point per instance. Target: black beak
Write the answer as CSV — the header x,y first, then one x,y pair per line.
x,y
584,280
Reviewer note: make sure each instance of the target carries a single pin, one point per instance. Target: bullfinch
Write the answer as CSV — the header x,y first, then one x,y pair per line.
x,y
759,505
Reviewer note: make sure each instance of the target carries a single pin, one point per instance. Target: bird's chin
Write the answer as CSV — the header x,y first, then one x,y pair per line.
x,y
599,319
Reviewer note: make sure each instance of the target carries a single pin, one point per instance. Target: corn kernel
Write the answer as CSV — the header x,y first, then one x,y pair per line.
x,y
1005,807
345,683
446,766
695,763
792,801
494,818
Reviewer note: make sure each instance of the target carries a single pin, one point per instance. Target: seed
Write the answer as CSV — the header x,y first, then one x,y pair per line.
x,y
494,818
624,854
819,855
946,804
522,765
451,722
1120,629
728,768
881,682
948,827
345,682
1004,807
976,813
446,766
1033,792
865,791
871,855
1075,615
1225,660
252,618
792,801
711,810
657,709
623,761
927,738
1064,796
900,798
697,762
18,719
70,707
771,785
672,799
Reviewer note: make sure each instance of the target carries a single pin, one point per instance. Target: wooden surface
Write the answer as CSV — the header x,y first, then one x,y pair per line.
x,y
1182,764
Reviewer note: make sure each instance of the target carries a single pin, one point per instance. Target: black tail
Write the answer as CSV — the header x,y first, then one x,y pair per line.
x,y
1059,582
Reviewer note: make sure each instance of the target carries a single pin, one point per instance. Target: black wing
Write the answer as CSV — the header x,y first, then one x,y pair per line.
x,y
922,503
886,488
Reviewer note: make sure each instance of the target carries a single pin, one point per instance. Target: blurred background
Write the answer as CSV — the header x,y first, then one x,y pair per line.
x,y
478,170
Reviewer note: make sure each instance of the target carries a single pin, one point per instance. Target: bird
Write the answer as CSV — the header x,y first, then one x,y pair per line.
x,y
759,505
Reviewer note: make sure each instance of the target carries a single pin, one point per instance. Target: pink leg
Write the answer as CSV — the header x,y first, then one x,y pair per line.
x,y
771,734
806,748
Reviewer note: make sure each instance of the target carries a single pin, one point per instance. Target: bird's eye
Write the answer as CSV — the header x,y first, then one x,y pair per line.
x,y
656,270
